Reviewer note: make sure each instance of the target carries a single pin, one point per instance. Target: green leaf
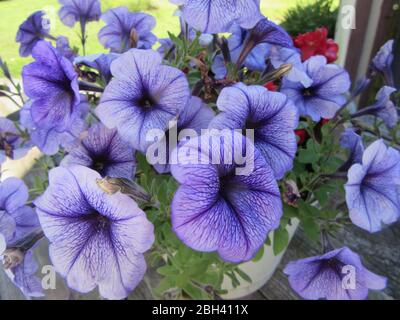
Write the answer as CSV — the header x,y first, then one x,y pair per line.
x,y
259,255
311,228
165,284
194,292
168,270
243,275
281,240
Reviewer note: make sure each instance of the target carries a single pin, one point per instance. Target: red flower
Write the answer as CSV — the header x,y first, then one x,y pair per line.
x,y
271,86
324,121
303,136
317,43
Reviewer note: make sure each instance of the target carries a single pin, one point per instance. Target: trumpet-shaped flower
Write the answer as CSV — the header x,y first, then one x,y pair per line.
x,y
336,275
82,11
372,190
255,60
100,62
143,95
353,142
216,16
31,31
218,208
383,61
271,115
280,55
49,140
384,107
196,115
125,30
105,152
96,239
17,220
12,145
326,94
52,84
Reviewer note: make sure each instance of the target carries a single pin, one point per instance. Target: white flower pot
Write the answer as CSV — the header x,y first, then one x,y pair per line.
x,y
259,272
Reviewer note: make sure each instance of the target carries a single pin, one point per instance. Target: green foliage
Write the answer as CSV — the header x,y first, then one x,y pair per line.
x,y
305,17
186,273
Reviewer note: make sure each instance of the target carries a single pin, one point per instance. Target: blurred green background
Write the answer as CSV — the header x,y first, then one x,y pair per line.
x,y
14,12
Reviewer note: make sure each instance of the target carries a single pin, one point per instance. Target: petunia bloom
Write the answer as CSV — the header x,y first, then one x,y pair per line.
x,y
17,220
24,276
105,152
143,95
217,16
125,30
96,239
383,61
271,115
372,190
63,47
255,60
100,62
336,275
384,107
82,11
264,32
52,84
12,145
49,140
31,31
353,142
197,116
218,208
326,94
280,55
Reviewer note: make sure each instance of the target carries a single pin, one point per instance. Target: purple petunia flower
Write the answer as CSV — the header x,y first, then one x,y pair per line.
x,y
12,145
383,61
52,84
353,142
280,55
125,30
63,47
17,220
372,190
384,107
325,96
31,31
100,62
103,151
96,239
271,115
265,31
49,140
336,275
196,115
255,60
82,11
24,276
143,95
217,208
216,16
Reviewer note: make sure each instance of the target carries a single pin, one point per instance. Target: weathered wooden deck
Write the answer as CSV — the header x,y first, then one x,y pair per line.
x,y
380,253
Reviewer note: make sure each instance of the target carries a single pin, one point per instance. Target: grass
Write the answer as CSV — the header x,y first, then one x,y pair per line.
x,y
14,12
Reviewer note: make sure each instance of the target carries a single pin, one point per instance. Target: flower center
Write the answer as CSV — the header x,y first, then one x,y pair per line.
x,y
308,92
146,101
99,163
